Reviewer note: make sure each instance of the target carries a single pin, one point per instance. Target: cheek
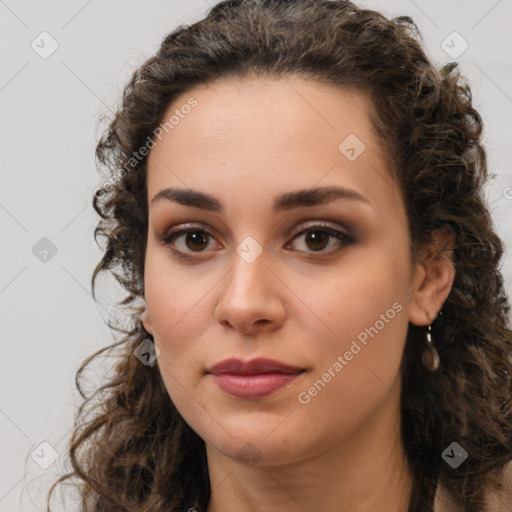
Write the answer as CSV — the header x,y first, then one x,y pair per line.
x,y
357,367
364,310
354,297
178,302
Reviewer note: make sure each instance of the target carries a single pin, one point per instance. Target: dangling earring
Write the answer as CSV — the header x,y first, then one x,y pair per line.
x,y
430,356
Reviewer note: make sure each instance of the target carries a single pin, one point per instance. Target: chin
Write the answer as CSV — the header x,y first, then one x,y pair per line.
x,y
255,445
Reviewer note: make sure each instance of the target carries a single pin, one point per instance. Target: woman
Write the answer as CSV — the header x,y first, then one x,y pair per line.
x,y
295,209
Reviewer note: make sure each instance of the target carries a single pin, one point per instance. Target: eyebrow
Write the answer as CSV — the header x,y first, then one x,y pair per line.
x,y
284,202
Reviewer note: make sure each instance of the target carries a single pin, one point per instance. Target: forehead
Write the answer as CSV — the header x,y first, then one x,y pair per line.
x,y
269,136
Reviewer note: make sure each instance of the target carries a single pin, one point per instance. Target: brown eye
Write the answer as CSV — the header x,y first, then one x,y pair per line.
x,y
318,238
189,242
196,240
186,241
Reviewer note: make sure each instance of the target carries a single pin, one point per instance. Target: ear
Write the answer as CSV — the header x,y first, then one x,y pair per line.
x,y
433,277
146,321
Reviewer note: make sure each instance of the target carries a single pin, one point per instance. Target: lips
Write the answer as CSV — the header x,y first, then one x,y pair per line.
x,y
253,367
253,379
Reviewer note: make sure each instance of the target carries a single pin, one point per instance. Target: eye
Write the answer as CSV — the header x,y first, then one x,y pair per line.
x,y
318,237
183,241
192,239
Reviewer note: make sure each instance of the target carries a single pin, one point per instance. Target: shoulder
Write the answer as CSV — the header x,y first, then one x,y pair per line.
x,y
444,501
503,501
495,501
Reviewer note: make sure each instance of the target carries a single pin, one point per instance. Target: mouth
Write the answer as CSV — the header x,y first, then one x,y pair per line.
x,y
253,379
252,367
254,385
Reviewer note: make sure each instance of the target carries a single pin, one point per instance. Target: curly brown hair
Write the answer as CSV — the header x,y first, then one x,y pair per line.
x,y
130,448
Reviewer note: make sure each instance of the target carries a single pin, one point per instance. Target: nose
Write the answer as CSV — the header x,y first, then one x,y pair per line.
x,y
250,300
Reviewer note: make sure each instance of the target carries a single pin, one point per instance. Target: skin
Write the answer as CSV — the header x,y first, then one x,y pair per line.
x,y
245,143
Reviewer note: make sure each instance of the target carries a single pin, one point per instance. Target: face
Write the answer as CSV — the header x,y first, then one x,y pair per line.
x,y
267,266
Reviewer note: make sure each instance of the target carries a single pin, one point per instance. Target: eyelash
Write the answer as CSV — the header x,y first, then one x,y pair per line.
x,y
174,233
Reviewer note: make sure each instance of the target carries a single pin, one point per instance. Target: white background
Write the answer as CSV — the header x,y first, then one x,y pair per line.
x,y
48,131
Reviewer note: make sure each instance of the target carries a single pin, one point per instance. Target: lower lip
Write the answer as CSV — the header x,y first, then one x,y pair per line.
x,y
253,386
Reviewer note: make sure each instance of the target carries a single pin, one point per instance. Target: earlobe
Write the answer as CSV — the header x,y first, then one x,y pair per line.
x,y
433,278
146,322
